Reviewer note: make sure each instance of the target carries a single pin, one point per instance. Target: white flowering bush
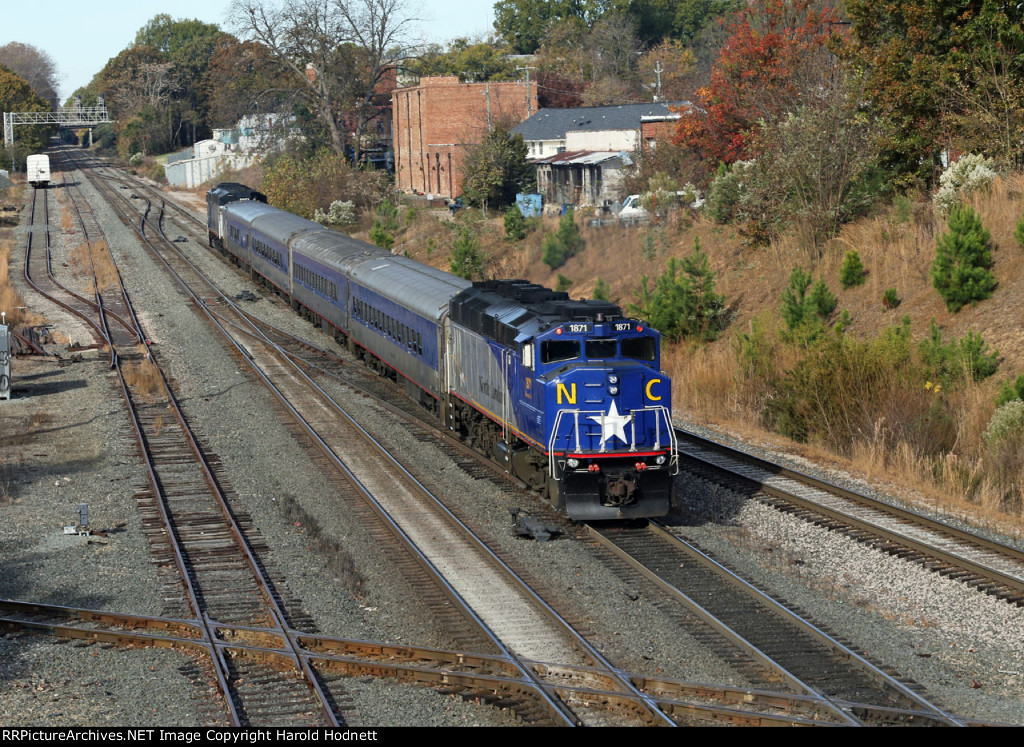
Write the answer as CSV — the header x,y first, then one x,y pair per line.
x,y
1007,423
728,193
971,173
341,213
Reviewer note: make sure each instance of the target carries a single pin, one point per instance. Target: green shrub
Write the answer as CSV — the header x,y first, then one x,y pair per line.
x,y
755,353
803,310
563,283
844,389
950,363
1018,232
1007,424
601,291
1004,451
728,191
822,300
960,272
852,273
890,300
1010,390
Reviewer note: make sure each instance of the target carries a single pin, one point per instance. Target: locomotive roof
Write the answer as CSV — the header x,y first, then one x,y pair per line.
x,y
504,310
229,191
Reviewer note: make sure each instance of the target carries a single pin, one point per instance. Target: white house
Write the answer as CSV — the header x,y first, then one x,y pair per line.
x,y
233,148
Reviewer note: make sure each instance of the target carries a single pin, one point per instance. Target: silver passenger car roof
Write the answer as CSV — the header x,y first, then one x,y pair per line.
x,y
247,210
421,288
334,249
281,225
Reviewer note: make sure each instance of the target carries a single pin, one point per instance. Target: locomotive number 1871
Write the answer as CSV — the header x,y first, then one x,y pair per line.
x,y
579,327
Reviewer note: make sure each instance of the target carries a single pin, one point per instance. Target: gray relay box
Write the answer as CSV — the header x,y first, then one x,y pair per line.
x,y
5,362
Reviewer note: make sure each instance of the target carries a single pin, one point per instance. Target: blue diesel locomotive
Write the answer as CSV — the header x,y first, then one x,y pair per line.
x,y
566,395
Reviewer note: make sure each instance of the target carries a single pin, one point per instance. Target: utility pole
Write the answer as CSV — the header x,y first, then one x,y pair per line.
x,y
658,70
529,102
487,88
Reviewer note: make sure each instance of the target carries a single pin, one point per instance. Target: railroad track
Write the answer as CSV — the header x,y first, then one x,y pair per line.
x,y
190,520
38,268
789,649
990,567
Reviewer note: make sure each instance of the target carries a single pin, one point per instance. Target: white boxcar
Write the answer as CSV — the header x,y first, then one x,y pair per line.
x,y
38,168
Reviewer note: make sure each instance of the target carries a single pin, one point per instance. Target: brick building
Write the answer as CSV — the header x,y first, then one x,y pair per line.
x,y
436,120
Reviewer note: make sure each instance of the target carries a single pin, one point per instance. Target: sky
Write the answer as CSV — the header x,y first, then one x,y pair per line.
x,y
82,36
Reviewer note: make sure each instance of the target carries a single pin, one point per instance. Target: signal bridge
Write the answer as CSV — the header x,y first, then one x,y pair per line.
x,y
71,116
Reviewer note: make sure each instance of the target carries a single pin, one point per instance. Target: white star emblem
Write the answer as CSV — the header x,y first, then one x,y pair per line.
x,y
612,424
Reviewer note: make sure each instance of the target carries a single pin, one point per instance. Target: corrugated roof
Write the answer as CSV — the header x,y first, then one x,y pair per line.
x,y
552,124
584,157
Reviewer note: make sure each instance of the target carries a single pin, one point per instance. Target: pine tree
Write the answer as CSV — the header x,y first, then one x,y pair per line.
x,y
385,225
852,273
686,304
963,258
806,306
515,225
566,242
466,260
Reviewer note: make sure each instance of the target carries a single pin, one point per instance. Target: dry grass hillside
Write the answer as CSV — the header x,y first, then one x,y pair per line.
x,y
896,246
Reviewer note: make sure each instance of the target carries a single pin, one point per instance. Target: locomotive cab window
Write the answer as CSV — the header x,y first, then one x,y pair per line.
x,y
601,349
640,348
528,355
553,351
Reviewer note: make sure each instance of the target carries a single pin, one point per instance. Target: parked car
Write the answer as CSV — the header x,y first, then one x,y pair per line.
x,y
632,210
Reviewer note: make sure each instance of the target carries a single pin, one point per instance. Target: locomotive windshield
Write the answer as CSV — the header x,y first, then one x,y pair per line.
x,y
640,348
553,351
637,348
601,349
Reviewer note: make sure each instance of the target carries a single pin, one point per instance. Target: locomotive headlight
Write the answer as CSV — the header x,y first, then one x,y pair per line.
x,y
573,463
613,390
613,379
660,459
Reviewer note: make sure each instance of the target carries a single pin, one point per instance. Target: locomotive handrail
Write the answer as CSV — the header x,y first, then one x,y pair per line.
x,y
660,411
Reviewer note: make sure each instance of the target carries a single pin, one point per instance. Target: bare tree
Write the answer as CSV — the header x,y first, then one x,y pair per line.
x,y
338,51
34,66
983,110
150,86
